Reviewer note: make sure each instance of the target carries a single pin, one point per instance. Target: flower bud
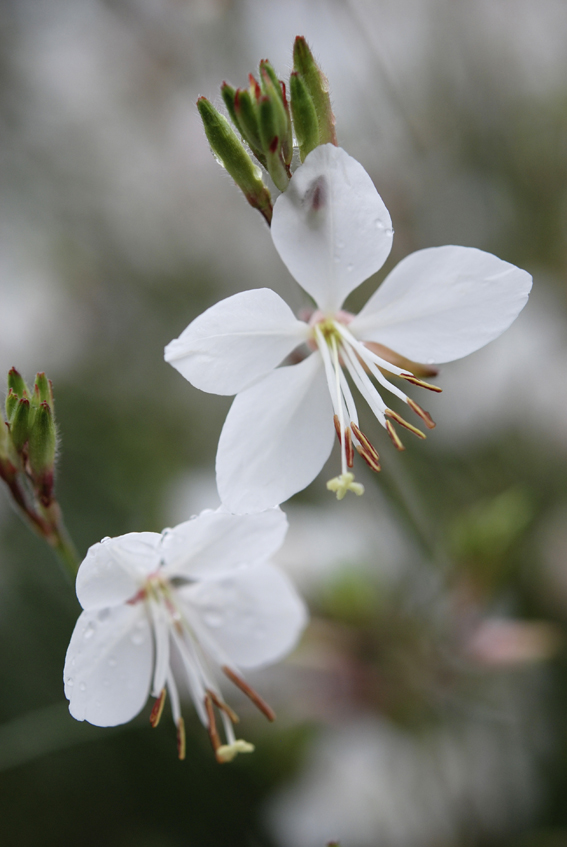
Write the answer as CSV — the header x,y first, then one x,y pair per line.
x,y
271,143
4,440
42,391
247,116
11,403
274,89
305,120
232,155
42,444
318,87
20,424
17,384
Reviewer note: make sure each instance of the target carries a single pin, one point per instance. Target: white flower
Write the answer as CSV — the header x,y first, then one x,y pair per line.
x,y
201,592
332,230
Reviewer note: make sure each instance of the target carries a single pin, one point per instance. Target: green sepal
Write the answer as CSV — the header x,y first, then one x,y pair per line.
x,y
305,120
42,441
229,151
273,89
17,384
4,440
318,87
20,424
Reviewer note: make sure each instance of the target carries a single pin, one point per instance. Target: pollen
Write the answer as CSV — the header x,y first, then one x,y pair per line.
x,y
227,752
343,483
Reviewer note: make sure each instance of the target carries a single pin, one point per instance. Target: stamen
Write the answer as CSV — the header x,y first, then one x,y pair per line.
x,y
181,739
367,450
212,724
403,422
227,752
343,483
411,378
155,714
253,695
425,416
394,436
348,441
224,707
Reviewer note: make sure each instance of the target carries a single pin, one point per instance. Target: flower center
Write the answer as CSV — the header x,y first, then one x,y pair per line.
x,y
341,352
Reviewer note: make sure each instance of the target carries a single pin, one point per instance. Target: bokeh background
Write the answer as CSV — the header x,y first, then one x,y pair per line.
x,y
427,703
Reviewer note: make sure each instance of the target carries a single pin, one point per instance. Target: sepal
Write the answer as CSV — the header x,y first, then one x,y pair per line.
x,y
318,87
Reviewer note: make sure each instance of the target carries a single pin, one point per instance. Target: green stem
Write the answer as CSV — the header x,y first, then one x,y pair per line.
x,y
402,494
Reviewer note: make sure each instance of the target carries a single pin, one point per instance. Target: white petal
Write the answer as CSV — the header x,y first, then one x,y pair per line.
x,y
443,303
276,437
331,227
255,615
234,342
108,665
114,569
219,541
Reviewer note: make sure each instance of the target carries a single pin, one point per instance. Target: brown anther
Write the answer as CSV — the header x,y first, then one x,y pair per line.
x,y
402,422
366,450
212,727
394,436
250,693
349,451
411,378
155,714
181,739
425,416
224,707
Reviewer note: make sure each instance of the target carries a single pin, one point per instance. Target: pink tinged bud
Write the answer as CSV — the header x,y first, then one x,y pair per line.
x,y
11,403
17,384
317,86
20,424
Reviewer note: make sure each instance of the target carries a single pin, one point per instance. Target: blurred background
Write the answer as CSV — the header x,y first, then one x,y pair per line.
x,y
426,704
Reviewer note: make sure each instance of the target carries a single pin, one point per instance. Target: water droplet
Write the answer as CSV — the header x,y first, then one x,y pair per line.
x,y
70,682
89,631
213,619
83,686
112,661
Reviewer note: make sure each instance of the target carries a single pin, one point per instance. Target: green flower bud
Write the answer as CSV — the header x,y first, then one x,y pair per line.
x,y
4,440
304,116
318,87
42,441
247,116
17,384
11,403
274,90
232,155
228,94
42,391
20,424
271,143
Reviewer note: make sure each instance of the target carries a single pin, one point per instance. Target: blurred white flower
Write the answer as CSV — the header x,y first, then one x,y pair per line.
x,y
332,231
202,591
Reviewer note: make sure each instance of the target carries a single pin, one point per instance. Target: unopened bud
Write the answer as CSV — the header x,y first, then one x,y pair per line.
x,y
275,91
4,440
304,116
229,150
248,121
11,403
17,384
41,452
20,424
318,87
271,143
42,391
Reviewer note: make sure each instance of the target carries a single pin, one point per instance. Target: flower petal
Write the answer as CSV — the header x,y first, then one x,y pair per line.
x,y
255,615
331,227
276,437
236,341
219,541
108,665
114,569
443,303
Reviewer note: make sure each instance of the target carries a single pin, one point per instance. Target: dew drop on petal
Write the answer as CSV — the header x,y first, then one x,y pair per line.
x,y
70,682
138,636
105,539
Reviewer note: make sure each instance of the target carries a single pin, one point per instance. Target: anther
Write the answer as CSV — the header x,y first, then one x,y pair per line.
x,y
155,714
181,739
212,727
366,450
394,436
224,707
349,450
403,422
421,383
253,695
425,416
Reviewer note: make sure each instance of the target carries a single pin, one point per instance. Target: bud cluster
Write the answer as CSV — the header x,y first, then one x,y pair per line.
x,y
267,121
